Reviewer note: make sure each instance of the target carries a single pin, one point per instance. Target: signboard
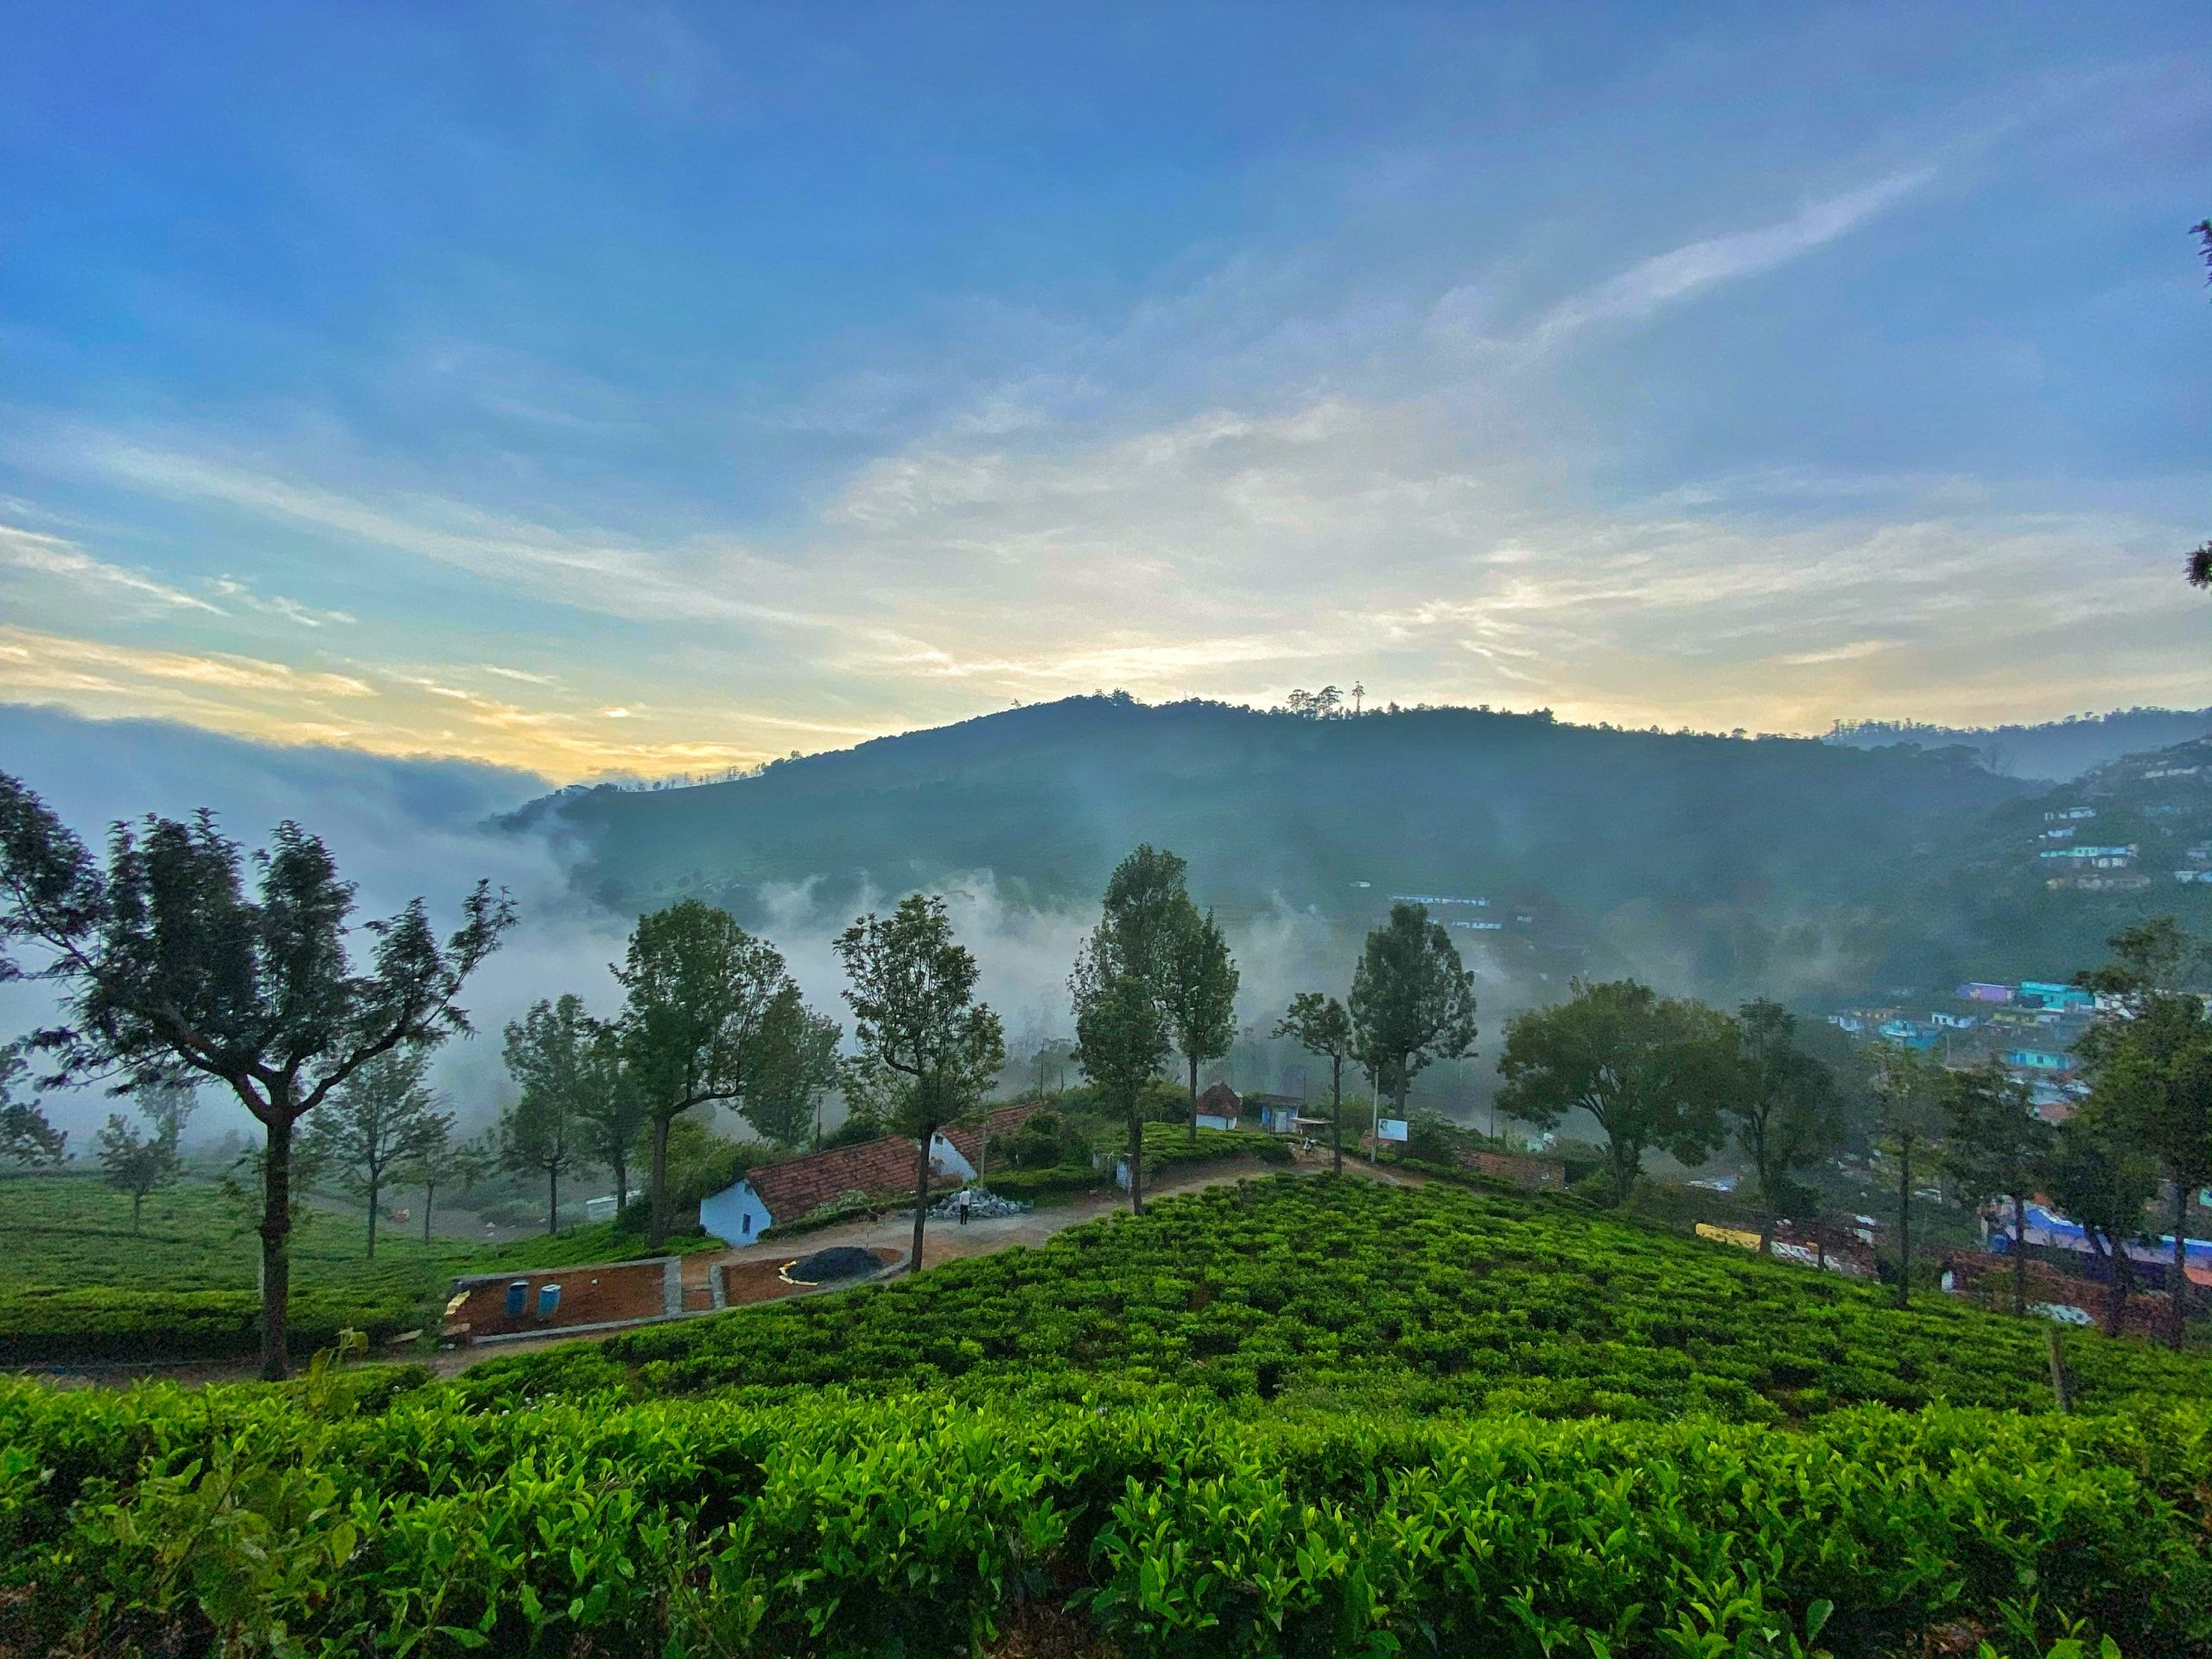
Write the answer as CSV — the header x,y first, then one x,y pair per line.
x,y
1390,1129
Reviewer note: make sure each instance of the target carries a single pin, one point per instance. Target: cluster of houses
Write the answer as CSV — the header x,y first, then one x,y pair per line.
x,y
2069,862
2029,1028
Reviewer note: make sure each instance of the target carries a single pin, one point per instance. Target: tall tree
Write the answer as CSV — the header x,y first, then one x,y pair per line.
x,y
1649,1070
700,991
1782,1103
1413,1000
1200,994
915,1016
1130,957
436,1162
2098,1176
799,1067
558,1060
134,1163
1320,1025
374,1122
26,1137
1995,1146
2150,1072
1121,1038
167,965
608,1107
1908,1121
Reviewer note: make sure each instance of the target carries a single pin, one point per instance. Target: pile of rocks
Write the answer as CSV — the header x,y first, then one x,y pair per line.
x,y
983,1204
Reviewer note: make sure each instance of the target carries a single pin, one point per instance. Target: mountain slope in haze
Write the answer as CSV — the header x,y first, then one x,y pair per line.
x,y
2057,751
1724,863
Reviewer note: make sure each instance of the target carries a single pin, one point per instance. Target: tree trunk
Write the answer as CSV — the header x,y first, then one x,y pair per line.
x,y
2180,1286
656,1186
1136,1162
137,1199
276,1250
622,1176
1193,1060
429,1196
552,1202
2116,1304
1904,1221
1766,1195
2019,1258
1336,1115
373,1195
921,1199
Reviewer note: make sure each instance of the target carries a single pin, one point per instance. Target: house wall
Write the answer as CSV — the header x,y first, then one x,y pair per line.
x,y
735,1215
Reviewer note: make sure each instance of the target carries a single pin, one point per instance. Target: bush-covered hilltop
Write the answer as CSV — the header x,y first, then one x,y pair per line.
x,y
1277,806
1345,1292
1743,864
1303,1417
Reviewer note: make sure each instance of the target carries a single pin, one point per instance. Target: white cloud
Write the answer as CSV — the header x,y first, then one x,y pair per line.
x,y
1665,278
275,605
64,562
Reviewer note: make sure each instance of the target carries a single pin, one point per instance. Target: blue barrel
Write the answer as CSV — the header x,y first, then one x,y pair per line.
x,y
548,1298
518,1298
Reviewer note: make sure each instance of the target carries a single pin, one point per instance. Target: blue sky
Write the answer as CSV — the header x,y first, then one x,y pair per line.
x,y
623,387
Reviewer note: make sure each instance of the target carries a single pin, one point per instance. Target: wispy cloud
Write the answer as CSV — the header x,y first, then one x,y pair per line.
x,y
30,659
288,610
1677,275
64,562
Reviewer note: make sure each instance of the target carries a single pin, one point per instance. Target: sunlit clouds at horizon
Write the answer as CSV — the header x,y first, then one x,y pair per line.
x,y
599,389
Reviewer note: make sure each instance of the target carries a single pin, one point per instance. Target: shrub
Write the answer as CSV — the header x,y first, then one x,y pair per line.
x,y
320,1518
103,1323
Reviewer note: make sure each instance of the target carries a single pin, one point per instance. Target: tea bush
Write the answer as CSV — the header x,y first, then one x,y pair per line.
x,y
312,1520
1439,1299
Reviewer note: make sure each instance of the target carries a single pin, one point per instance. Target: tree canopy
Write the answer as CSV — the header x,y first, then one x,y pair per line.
x,y
911,987
169,963
700,992
1412,1000
1649,1070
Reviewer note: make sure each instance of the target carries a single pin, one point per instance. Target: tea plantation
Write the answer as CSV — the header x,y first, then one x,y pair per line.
x,y
76,1284
1343,1292
1294,1416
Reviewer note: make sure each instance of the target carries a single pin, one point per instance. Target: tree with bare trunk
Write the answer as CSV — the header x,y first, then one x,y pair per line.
x,y
1320,1025
1413,1000
700,992
2151,1071
168,965
912,992
1908,1114
1994,1147
1781,1102
1198,992
374,1122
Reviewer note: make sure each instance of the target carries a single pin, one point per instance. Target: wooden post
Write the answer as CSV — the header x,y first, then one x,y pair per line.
x,y
2060,1386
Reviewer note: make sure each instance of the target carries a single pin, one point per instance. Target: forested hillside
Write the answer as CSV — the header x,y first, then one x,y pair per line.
x,y
2055,750
1725,861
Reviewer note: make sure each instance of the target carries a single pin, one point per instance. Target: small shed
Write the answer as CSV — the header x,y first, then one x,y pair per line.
x,y
1220,1107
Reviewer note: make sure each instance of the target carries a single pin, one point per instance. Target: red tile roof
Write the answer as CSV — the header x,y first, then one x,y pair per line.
x,y
792,1188
1221,1101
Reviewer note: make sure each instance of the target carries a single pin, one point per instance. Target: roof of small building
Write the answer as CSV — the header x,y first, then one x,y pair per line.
x,y
1220,1100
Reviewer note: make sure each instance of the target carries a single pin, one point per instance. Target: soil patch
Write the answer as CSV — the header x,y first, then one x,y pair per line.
x,y
747,1282
590,1295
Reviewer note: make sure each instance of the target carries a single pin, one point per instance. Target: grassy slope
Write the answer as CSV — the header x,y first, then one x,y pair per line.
x,y
67,1231
1343,1292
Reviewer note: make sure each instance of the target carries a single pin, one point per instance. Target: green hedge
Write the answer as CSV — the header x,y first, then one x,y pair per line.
x,y
98,1324
253,1521
1433,1298
1031,1183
